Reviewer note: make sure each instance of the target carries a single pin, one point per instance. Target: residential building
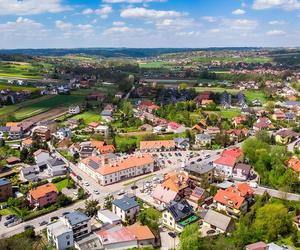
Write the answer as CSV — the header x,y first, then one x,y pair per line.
x,y
286,136
103,130
237,135
196,197
224,166
202,140
60,235
213,131
238,120
106,171
218,222
153,146
163,196
257,246
5,189
278,115
30,173
42,196
74,109
26,143
43,132
117,238
175,128
4,132
201,174
106,216
41,156
63,133
15,132
263,123
294,163
143,235
126,208
79,222
182,143
177,182
56,167
241,172
177,215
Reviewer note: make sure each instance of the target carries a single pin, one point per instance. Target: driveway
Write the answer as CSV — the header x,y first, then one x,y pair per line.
x,y
167,242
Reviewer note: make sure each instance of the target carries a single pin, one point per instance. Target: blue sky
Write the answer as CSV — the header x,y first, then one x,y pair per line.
x,y
149,23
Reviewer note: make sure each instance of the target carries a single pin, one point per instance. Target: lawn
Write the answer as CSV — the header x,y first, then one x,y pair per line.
x,y
39,105
5,212
16,88
156,65
233,59
88,116
21,70
216,89
230,113
61,184
255,94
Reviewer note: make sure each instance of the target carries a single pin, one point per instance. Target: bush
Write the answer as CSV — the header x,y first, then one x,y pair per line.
x,y
58,179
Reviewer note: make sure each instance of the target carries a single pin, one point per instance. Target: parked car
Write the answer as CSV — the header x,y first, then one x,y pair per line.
x,y
96,191
43,223
11,216
8,222
134,187
28,227
121,192
79,177
65,213
172,234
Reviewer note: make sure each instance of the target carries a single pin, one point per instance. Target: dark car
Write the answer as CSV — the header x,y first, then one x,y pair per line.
x,y
65,213
11,216
199,160
179,154
172,234
79,177
134,187
27,227
53,218
8,222
43,223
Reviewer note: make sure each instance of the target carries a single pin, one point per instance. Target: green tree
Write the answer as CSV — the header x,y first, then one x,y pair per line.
x,y
190,238
91,207
272,221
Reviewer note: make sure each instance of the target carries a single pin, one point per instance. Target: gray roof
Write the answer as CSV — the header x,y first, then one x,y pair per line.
x,y
55,162
202,137
180,210
4,129
225,184
110,215
199,168
76,217
125,203
58,228
4,181
217,219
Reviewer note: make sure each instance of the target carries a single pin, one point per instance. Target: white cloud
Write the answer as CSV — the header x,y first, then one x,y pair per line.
x,y
241,24
277,22
187,33
104,11
149,13
120,30
177,23
131,1
215,30
88,11
31,7
210,19
118,23
238,12
63,25
282,4
276,33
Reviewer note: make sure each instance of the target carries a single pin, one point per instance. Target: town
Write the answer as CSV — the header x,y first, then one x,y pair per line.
x,y
169,159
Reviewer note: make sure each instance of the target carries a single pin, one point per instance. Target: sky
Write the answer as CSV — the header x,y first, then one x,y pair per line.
x,y
149,23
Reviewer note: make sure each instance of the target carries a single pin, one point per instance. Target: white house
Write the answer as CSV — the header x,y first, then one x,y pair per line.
x,y
107,216
74,109
224,166
103,130
60,235
126,208
56,167
175,128
41,155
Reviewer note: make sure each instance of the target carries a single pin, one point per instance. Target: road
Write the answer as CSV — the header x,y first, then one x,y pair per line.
x,y
290,147
277,194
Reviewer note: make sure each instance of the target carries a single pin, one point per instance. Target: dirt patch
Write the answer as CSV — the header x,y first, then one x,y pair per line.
x,y
48,115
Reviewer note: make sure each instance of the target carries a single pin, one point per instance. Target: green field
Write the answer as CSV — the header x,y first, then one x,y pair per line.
x,y
88,116
39,105
216,89
156,65
203,59
22,70
255,94
230,113
16,88
61,184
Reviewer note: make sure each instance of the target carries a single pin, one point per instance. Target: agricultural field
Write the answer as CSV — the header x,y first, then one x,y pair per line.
x,y
40,105
156,65
255,94
202,59
88,117
5,85
216,89
23,70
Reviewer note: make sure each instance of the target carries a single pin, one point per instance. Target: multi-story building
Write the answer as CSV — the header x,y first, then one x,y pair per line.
x,y
42,196
126,208
79,222
43,132
201,174
107,171
5,189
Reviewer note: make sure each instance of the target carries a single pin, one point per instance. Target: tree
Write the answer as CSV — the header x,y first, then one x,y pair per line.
x,y
190,238
182,86
81,193
150,217
63,200
272,221
2,142
91,207
24,154
108,202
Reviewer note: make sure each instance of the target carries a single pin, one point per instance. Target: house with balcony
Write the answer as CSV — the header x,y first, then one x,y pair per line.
x,y
43,195
126,208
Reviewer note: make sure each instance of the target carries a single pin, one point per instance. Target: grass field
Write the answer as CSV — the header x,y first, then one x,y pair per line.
x,y
22,70
230,113
16,88
255,94
61,184
233,59
216,89
39,105
156,65
88,116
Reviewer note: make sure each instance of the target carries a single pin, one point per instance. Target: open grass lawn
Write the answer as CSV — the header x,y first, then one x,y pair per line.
x,y
5,212
156,65
39,105
16,88
22,70
255,94
230,113
88,116
61,184
216,89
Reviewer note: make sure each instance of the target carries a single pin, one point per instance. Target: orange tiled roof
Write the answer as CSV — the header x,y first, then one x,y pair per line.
x,y
229,198
27,141
130,162
175,181
242,189
93,124
141,232
294,163
12,124
97,144
157,144
41,191
40,151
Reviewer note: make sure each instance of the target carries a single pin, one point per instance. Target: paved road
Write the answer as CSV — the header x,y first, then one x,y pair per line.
x,y
290,147
277,194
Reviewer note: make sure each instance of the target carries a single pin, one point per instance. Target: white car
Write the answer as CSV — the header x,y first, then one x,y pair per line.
x,y
96,192
86,183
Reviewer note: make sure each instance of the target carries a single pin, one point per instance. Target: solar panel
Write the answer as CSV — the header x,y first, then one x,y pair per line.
x,y
93,164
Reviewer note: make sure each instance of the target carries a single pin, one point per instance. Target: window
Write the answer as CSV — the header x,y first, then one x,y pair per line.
x,y
68,243
68,237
